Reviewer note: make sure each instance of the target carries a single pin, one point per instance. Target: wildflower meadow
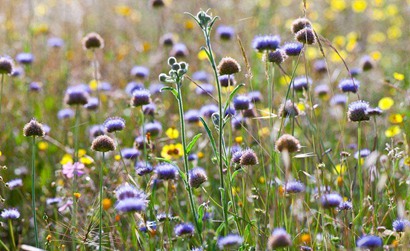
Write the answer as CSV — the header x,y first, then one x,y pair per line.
x,y
204,125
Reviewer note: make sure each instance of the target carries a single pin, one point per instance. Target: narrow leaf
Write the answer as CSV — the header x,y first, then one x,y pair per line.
x,y
192,143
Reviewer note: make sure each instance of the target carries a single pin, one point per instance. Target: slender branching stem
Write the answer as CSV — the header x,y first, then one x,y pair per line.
x,y
33,187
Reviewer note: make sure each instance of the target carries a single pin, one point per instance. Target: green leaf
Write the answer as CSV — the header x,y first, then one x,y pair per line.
x,y
201,212
192,143
219,229
228,101
171,89
235,174
211,138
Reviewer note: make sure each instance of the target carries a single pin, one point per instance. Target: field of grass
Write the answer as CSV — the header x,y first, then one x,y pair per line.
x,y
204,125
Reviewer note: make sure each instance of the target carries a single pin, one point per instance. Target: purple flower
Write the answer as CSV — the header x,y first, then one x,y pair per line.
x,y
114,124
12,184
369,241
10,214
70,169
230,241
184,229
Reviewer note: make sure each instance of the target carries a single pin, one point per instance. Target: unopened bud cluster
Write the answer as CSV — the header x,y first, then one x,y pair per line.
x,y
175,75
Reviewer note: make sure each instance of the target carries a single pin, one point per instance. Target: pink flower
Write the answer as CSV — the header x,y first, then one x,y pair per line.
x,y
70,169
66,205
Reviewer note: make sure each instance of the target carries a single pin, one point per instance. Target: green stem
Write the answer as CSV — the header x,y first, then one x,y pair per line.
x,y
186,165
12,235
1,90
220,130
33,187
75,181
4,245
101,198
359,169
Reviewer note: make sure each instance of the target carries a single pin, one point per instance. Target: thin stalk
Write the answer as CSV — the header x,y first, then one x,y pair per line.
x,y
12,235
359,169
101,198
4,245
1,90
186,165
220,130
75,181
33,187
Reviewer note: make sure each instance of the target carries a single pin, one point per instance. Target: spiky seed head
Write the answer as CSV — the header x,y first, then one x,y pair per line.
x,y
287,142
197,176
248,158
277,57
300,24
279,238
6,65
103,143
93,41
358,111
306,36
228,66
33,128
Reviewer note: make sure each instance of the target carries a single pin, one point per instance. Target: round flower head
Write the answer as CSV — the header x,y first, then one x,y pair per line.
x,y
76,96
349,85
266,42
227,80
374,111
10,214
255,96
140,142
6,65
248,158
208,110
131,205
92,104
363,153
184,229
225,32
400,225
369,242
338,99
65,114
277,57
168,39
367,63
33,128
141,72
127,191
142,168
236,157
35,86
230,111
249,113
154,128
288,143
25,58
157,3
293,49
299,24
228,66
331,200
294,187
130,153
345,205
301,83
238,122
166,171
55,42
320,66
192,116
140,97
279,239
358,111
204,89
197,176
179,50
230,241
103,143
96,130
322,90
241,102
288,109
132,86
355,72
53,201
114,124
15,183
201,76
93,41
306,36
149,109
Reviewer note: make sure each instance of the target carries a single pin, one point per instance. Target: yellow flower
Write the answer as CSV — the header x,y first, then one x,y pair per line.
x,y
172,133
262,180
200,155
117,157
93,85
86,160
392,131
407,161
106,203
146,46
123,10
301,106
396,118
189,24
337,5
172,151
82,153
398,76
66,159
386,103
376,55
264,131
202,55
238,139
42,146
77,195
359,6
305,238
340,169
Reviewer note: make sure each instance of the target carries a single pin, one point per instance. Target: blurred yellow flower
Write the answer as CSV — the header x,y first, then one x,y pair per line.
x,y
86,160
189,24
301,106
172,151
117,157
77,195
93,85
396,118
42,146
123,10
398,76
146,46
394,32
202,55
262,180
376,37
172,133
359,5
392,131
337,5
264,131
66,159
386,103
376,55
340,169
305,238
238,139
106,203
82,152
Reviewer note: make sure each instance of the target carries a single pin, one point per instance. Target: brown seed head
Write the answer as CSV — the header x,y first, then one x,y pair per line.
x,y
103,143
93,41
287,143
33,128
228,66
